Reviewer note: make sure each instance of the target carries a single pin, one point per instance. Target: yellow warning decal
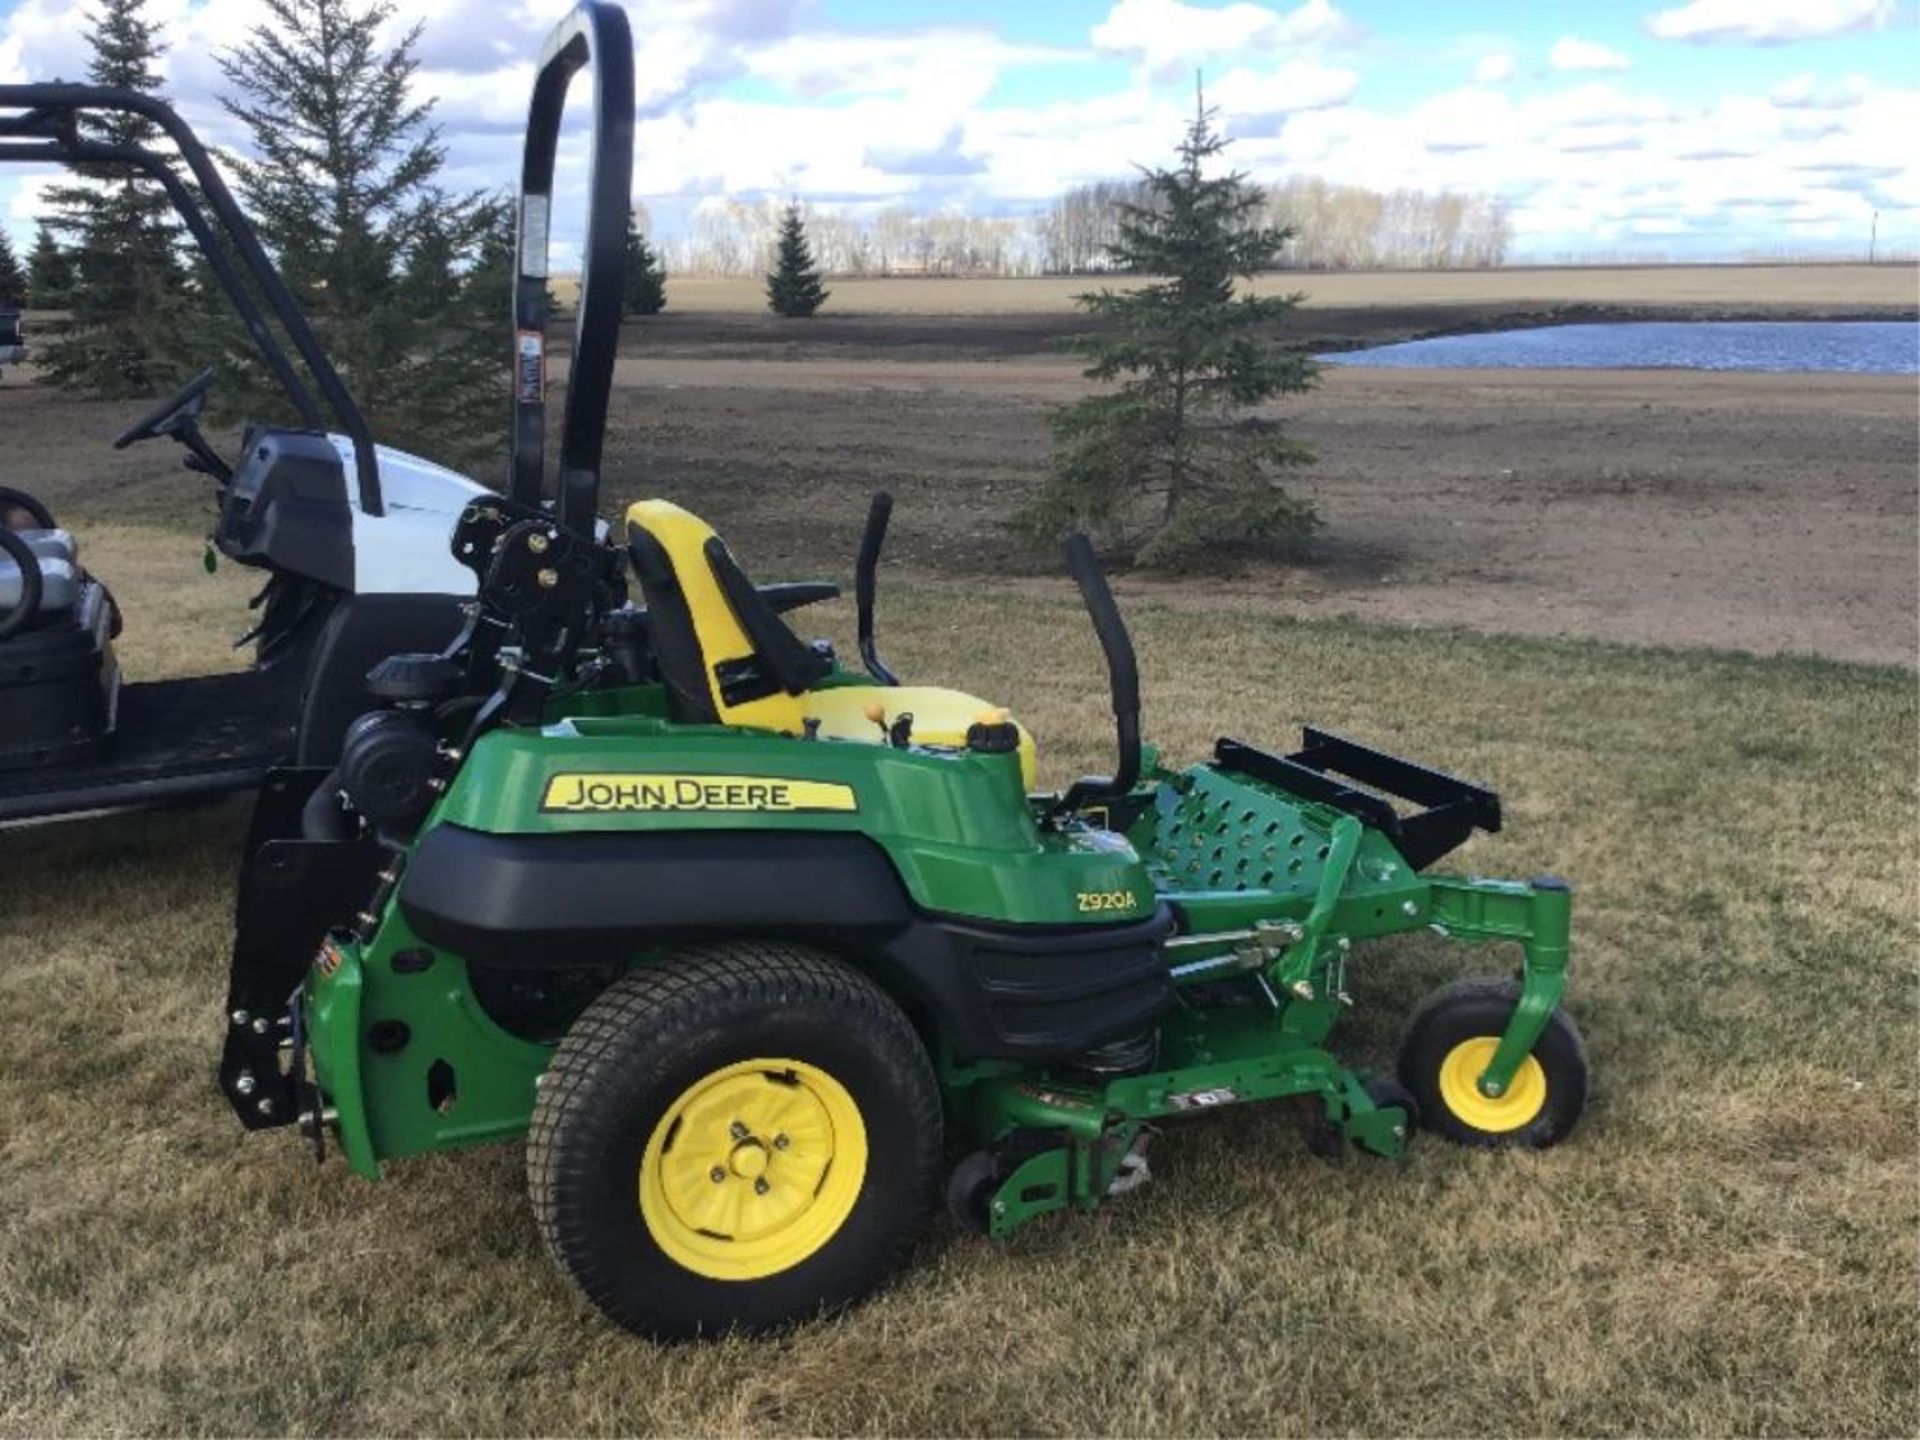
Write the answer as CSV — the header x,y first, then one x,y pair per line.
x,y
573,793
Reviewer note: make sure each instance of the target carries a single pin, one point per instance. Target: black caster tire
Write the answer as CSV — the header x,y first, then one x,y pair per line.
x,y
970,1191
742,1136
1386,1092
1448,1042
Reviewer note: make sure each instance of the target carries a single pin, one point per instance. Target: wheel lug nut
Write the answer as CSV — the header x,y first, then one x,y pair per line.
x,y
760,1187
780,1142
737,1130
717,1174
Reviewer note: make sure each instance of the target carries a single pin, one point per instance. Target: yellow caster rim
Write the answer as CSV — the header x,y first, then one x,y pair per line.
x,y
1460,1074
752,1169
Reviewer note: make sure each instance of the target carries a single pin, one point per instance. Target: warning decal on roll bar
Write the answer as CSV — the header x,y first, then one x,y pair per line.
x,y
530,368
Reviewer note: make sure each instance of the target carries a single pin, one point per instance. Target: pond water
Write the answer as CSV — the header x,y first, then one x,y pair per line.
x,y
1867,347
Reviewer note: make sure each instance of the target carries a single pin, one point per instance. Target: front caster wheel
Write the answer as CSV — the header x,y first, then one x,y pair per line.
x,y
1449,1042
738,1137
970,1191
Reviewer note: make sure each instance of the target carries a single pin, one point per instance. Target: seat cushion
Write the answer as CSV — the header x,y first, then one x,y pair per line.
x,y
691,599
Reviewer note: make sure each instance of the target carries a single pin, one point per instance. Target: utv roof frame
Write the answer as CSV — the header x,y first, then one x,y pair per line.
x,y
44,128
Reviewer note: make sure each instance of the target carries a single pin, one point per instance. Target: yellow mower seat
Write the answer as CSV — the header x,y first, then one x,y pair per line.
x,y
728,659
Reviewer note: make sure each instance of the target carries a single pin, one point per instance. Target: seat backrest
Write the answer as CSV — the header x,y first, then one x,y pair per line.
x,y
725,655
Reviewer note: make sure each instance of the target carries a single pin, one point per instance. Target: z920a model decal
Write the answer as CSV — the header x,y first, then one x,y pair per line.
x,y
573,793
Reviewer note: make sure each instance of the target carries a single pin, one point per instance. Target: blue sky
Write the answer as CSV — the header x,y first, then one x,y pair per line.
x,y
1690,128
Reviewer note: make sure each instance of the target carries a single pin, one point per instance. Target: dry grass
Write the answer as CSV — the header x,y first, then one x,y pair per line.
x,y
1836,286
1727,1246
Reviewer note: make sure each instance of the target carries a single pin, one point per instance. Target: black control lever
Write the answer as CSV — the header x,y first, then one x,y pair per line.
x,y
878,513
1123,673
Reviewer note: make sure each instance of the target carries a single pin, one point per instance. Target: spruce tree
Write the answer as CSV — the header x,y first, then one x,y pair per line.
x,y
13,280
645,281
389,266
794,289
49,271
126,282
1179,462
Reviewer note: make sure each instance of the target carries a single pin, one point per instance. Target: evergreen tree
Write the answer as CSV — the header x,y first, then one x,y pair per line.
x,y
645,281
125,291
49,271
13,280
1178,460
793,289
392,269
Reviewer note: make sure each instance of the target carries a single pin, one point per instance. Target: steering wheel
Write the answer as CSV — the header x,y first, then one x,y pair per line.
x,y
184,404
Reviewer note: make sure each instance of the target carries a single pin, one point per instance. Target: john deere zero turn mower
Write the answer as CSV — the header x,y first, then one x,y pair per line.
x,y
759,951
348,534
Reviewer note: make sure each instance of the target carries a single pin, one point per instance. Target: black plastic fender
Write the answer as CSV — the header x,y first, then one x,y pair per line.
x,y
995,991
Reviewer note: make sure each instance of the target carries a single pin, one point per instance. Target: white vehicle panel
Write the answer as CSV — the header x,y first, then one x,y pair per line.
x,y
406,551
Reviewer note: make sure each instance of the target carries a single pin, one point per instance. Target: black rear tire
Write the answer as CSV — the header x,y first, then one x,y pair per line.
x,y
625,1086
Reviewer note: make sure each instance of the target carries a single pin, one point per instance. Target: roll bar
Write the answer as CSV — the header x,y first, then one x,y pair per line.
x,y
45,129
595,34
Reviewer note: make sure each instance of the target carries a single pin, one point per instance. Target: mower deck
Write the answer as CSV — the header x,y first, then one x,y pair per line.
x,y
174,740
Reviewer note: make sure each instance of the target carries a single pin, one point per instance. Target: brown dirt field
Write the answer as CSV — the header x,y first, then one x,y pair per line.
x,y
1803,287
1756,512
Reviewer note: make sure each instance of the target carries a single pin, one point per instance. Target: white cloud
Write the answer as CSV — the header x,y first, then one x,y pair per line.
x,y
1570,52
937,59
1295,86
1494,69
1165,37
1806,92
1768,22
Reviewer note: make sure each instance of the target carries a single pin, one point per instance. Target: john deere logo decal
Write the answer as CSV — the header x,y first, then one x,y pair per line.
x,y
576,794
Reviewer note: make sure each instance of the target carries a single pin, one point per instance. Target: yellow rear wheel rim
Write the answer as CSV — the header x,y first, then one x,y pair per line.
x,y
752,1169
1460,1075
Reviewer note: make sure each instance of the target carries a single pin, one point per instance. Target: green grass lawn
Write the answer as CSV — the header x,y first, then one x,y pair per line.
x,y
1727,1244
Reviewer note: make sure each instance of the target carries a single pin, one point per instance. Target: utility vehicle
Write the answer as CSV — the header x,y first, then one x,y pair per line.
x,y
13,345
757,950
353,568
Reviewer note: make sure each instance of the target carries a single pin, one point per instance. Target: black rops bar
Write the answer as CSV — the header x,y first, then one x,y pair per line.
x,y
46,130
594,34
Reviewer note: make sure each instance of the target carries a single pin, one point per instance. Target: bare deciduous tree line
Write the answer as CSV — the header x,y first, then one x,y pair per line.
x,y
738,237
1349,227
1336,227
